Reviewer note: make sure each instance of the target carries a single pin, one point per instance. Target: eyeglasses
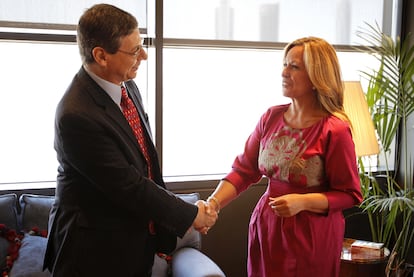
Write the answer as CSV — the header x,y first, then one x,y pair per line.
x,y
134,54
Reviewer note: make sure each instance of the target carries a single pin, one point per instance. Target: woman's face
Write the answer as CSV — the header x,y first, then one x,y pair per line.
x,y
295,79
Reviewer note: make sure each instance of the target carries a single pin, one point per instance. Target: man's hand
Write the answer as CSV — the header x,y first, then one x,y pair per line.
x,y
206,217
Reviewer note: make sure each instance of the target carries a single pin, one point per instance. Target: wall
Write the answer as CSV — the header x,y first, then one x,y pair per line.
x,y
226,242
408,27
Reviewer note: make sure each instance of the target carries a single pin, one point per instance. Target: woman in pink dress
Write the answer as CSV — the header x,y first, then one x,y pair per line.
x,y
306,151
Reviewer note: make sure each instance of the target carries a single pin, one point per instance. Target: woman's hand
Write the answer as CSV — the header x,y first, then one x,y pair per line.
x,y
287,205
206,217
292,204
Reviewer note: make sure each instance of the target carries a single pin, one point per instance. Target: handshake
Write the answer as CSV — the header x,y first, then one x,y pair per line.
x,y
207,214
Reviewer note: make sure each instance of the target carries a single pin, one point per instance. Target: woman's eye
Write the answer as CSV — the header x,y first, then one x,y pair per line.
x,y
291,66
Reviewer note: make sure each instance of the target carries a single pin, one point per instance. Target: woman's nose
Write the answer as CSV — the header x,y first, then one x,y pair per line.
x,y
285,72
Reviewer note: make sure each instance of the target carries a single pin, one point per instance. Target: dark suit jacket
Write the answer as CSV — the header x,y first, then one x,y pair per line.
x,y
99,223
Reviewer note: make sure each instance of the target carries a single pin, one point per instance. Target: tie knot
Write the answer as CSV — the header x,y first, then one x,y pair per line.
x,y
124,92
124,97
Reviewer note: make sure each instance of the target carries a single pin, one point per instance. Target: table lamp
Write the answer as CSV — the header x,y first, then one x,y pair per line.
x,y
363,131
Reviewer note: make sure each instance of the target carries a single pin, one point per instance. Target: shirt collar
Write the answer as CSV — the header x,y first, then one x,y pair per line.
x,y
113,90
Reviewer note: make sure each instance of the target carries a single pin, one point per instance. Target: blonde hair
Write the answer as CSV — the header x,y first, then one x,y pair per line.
x,y
323,68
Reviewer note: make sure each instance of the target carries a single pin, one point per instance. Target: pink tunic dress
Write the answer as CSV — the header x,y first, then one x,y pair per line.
x,y
320,158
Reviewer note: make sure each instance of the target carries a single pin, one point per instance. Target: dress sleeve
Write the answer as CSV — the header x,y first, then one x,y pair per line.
x,y
245,170
341,167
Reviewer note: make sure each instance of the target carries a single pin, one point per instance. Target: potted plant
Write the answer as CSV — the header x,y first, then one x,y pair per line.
x,y
390,97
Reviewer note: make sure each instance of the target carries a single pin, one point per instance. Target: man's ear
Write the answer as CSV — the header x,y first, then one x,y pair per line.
x,y
99,55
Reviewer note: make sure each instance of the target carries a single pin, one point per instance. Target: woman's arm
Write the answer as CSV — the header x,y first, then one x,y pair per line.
x,y
224,193
291,204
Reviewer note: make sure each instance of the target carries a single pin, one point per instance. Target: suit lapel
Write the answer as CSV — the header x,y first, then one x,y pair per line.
x,y
103,100
112,110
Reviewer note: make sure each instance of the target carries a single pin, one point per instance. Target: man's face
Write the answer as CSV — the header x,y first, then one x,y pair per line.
x,y
123,65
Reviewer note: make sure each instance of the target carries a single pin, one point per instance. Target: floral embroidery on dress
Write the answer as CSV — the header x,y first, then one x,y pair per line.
x,y
281,157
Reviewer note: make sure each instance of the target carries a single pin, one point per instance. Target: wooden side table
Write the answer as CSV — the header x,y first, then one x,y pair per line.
x,y
361,263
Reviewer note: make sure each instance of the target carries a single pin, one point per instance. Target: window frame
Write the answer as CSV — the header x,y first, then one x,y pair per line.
x,y
65,33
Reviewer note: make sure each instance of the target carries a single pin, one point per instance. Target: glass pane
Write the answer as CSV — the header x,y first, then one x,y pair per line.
x,y
35,76
63,11
271,20
212,105
213,100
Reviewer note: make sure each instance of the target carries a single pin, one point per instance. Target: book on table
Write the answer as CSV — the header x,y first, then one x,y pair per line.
x,y
374,248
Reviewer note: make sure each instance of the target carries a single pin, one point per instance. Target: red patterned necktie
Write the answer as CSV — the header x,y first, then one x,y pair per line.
x,y
131,114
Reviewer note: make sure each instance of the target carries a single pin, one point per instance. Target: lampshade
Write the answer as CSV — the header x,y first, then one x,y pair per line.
x,y
363,131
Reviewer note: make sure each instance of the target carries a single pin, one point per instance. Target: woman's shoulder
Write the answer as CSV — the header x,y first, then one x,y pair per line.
x,y
277,109
274,112
336,125
272,117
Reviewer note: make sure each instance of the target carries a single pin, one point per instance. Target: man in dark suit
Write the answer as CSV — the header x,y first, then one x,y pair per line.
x,y
112,212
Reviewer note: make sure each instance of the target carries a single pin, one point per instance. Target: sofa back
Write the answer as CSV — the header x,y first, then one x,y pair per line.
x,y
8,210
34,212
8,217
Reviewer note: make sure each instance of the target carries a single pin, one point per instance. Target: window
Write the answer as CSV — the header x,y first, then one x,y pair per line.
x,y
34,80
276,21
62,12
210,110
35,75
221,70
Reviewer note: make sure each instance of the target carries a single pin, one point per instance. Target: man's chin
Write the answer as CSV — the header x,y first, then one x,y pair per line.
x,y
132,75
